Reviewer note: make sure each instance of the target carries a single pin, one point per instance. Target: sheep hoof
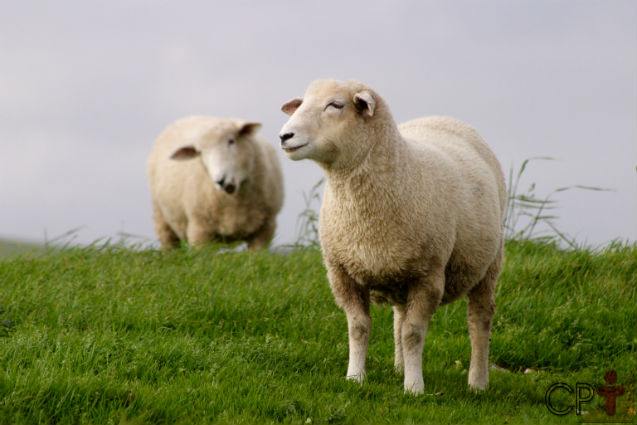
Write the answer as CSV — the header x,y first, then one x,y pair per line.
x,y
359,377
478,385
415,388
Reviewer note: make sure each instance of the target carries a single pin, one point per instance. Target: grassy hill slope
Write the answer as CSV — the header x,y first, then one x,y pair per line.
x,y
108,335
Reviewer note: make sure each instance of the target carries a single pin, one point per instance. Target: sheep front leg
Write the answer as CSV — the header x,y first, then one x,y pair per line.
x,y
263,236
399,317
422,300
358,326
354,300
166,235
197,234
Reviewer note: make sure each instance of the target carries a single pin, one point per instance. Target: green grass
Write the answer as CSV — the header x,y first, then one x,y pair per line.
x,y
109,335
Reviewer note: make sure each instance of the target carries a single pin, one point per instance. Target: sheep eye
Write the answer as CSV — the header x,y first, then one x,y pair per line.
x,y
231,142
336,105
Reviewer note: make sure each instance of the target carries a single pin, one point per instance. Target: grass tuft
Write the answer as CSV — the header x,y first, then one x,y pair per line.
x,y
529,216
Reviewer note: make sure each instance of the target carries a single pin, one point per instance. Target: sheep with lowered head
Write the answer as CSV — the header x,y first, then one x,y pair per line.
x,y
214,179
411,215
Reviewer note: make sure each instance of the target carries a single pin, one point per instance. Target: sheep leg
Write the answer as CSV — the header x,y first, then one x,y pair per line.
x,y
263,236
354,300
399,317
166,235
480,311
197,234
422,300
358,326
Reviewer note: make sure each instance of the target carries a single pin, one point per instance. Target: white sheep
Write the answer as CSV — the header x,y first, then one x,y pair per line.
x,y
214,179
411,215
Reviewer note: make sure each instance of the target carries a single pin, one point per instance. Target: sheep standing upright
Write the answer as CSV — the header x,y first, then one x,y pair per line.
x,y
411,215
214,179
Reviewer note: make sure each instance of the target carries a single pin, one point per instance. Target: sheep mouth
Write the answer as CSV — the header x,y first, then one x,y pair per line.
x,y
294,149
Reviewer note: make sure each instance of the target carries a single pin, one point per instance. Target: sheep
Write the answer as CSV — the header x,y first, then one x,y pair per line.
x,y
411,215
214,179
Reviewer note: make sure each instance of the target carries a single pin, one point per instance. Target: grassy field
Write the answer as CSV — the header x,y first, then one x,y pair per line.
x,y
111,335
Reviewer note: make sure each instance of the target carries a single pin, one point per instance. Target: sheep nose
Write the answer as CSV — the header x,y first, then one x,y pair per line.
x,y
220,182
286,136
229,188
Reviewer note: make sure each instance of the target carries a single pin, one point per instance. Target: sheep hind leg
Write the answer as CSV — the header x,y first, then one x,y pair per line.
x,y
480,311
167,237
423,299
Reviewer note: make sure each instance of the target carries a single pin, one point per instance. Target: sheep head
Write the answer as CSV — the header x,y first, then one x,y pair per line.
x,y
332,124
225,150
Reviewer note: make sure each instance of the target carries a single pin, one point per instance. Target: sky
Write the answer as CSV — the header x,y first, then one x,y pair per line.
x,y
86,88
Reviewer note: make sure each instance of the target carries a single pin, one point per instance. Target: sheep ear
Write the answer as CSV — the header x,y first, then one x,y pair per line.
x,y
291,106
249,128
185,152
365,103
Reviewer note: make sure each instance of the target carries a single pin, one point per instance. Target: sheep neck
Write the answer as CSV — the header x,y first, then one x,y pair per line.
x,y
376,186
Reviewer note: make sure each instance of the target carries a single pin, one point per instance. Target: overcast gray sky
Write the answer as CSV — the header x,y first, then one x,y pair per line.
x,y
86,87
